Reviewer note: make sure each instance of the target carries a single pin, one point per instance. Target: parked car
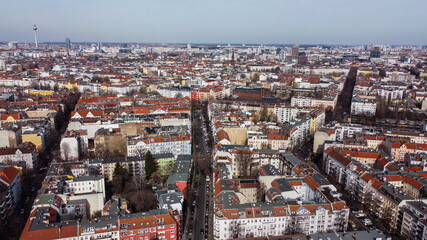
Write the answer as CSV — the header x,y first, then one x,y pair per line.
x,y
367,222
359,214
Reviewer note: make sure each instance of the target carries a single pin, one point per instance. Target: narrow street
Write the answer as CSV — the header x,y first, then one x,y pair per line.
x,y
198,207
32,180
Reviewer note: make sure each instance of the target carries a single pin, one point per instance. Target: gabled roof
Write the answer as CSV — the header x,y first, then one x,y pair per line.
x,y
337,156
375,183
9,174
413,182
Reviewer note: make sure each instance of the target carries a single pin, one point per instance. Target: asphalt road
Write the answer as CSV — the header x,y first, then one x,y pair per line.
x,y
199,213
200,221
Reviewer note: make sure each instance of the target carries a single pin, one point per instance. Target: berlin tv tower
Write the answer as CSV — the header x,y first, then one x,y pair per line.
x,y
35,35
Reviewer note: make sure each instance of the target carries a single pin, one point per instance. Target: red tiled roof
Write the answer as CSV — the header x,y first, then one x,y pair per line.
x,y
375,183
413,169
9,174
393,178
371,138
337,156
311,182
413,182
5,116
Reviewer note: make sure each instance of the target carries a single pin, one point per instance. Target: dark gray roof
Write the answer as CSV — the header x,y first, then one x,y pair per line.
x,y
270,170
356,235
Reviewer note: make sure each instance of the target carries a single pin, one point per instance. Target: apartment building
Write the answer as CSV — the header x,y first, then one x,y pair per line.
x,y
412,220
260,220
362,106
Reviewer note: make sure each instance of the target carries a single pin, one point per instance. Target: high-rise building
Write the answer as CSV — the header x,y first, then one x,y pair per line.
x,y
295,50
67,43
375,52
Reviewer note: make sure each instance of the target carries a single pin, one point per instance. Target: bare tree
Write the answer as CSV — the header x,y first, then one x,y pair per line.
x,y
387,217
137,184
97,214
265,145
235,229
203,164
66,151
342,221
243,161
143,200
293,226
100,151
156,178
261,189
140,195
263,114
255,77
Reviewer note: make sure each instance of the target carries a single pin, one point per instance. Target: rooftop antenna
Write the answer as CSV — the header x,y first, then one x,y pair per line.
x,y
35,35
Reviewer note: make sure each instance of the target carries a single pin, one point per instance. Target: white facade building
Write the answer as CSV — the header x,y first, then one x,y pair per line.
x,y
302,102
255,221
286,114
365,107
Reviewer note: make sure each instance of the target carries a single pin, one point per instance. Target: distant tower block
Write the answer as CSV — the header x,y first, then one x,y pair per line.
x,y
295,50
188,46
35,35
68,43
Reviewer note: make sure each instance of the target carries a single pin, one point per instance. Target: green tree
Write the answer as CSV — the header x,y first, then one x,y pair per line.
x,y
56,87
150,165
120,177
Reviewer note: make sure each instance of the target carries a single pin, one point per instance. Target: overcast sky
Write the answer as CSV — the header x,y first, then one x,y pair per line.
x,y
217,21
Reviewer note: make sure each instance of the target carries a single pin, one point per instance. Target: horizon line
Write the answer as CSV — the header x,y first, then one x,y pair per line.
x,y
222,44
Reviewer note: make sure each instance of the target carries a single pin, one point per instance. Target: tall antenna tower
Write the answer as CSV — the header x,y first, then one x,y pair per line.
x,y
35,35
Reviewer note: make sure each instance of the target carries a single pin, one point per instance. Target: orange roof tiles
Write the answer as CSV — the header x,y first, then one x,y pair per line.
x,y
375,183
337,156
413,182
311,182
414,169
9,174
